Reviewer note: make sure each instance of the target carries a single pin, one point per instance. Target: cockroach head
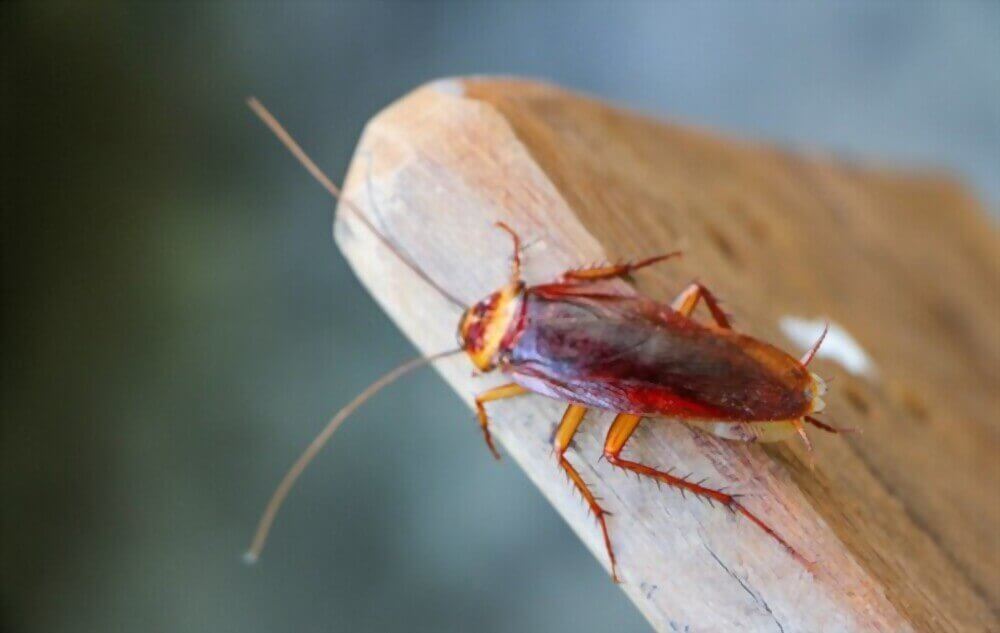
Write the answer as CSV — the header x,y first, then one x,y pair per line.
x,y
483,327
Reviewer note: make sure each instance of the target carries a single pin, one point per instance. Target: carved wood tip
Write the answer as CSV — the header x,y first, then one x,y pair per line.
x,y
900,527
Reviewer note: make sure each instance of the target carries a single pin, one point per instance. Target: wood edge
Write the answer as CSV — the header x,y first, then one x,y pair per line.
x,y
447,89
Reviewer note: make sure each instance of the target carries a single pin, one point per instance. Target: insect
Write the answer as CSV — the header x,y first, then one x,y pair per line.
x,y
581,340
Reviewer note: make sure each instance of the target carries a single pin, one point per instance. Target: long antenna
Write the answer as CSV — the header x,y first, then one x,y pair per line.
x,y
286,139
271,511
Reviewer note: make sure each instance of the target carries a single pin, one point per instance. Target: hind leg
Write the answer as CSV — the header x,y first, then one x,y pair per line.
x,y
496,393
620,432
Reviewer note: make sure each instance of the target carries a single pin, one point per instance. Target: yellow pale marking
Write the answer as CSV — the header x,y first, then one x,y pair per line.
x,y
496,326
777,431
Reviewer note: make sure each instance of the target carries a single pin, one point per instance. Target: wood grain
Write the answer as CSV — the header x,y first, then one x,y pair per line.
x,y
902,521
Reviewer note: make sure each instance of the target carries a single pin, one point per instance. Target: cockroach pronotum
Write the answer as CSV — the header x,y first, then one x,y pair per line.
x,y
581,341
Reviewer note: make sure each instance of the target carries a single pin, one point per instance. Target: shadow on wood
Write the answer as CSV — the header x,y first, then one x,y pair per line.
x,y
901,521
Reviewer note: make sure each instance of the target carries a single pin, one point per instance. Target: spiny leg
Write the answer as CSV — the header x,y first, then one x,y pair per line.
x,y
618,270
496,393
619,433
560,441
828,428
687,301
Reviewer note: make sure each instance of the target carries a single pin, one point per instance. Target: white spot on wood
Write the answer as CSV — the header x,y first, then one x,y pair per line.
x,y
449,86
839,345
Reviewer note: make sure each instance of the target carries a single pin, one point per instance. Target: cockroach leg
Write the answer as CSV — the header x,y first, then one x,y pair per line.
x,y
619,433
496,393
687,301
618,270
828,428
561,440
800,428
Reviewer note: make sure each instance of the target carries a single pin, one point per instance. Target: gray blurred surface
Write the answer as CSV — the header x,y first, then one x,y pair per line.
x,y
177,324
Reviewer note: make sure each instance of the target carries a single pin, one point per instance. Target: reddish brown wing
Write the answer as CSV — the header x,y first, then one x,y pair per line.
x,y
632,354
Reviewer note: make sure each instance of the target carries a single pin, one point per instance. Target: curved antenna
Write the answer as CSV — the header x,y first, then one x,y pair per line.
x,y
515,272
286,139
281,492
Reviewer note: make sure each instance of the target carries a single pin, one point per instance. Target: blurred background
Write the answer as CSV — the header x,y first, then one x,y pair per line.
x,y
177,323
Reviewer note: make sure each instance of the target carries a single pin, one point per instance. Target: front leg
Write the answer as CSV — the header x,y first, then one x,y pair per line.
x,y
496,393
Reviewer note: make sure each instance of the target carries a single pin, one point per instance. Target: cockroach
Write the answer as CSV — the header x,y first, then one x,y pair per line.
x,y
580,340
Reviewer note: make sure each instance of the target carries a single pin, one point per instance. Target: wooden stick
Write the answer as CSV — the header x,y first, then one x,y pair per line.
x,y
900,521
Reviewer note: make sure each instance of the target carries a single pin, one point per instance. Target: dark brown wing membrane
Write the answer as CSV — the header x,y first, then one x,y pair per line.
x,y
633,354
